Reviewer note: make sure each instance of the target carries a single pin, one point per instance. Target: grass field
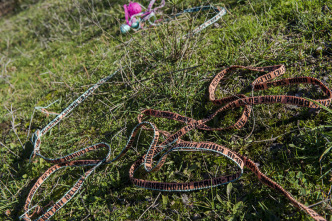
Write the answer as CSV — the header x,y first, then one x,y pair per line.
x,y
53,50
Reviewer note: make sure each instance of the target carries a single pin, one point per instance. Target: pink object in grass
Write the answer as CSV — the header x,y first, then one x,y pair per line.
x,y
133,8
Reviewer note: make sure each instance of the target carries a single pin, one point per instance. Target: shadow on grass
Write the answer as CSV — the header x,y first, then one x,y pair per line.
x,y
20,164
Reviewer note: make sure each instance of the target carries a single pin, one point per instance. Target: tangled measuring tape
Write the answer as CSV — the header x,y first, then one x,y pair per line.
x,y
219,10
133,10
174,142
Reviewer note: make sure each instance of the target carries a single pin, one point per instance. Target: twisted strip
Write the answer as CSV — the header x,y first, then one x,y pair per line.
x,y
220,11
159,152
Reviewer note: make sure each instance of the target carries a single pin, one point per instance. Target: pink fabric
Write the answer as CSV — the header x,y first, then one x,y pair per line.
x,y
126,13
133,8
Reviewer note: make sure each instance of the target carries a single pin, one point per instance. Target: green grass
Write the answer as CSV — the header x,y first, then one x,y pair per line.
x,y
55,50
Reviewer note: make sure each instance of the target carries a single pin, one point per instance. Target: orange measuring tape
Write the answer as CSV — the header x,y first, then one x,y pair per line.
x,y
158,151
